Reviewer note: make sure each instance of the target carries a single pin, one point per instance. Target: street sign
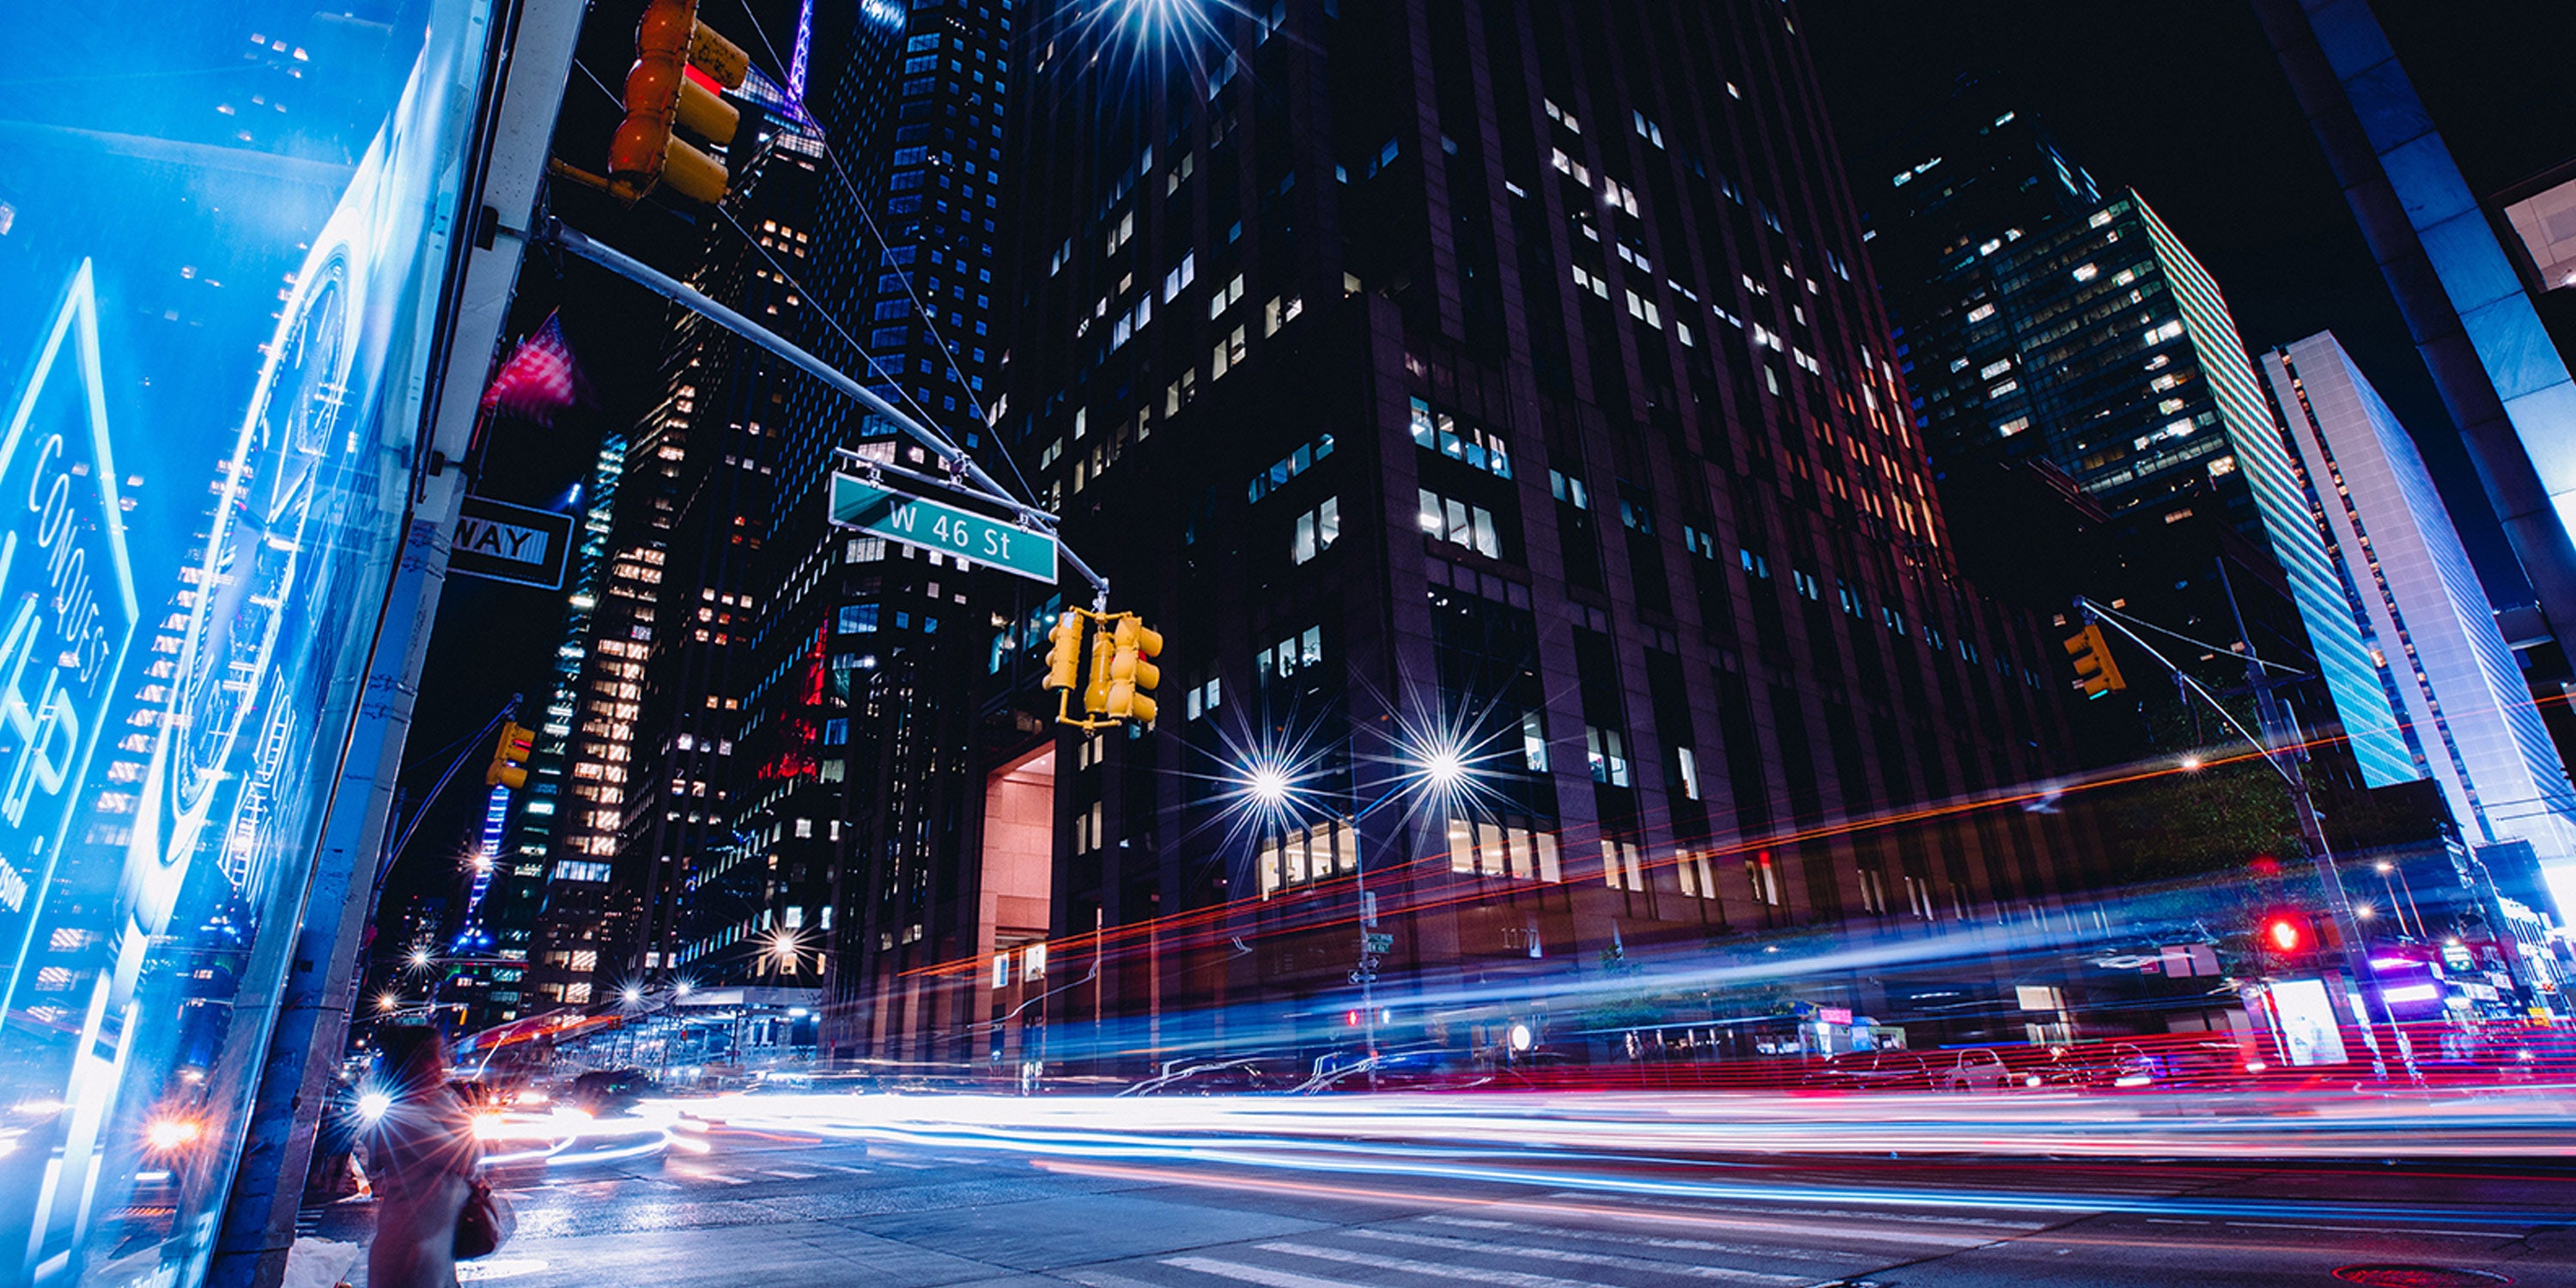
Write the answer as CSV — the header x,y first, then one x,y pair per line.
x,y
1377,942
504,542
932,525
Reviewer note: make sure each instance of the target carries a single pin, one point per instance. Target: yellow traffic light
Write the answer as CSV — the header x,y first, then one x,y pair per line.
x,y
509,766
1095,694
2095,672
1132,676
660,94
1064,650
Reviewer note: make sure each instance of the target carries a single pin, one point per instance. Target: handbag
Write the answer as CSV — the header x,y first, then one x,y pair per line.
x,y
486,1223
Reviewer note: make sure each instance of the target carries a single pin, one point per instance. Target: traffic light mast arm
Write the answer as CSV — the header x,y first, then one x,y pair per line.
x,y
953,456
2093,613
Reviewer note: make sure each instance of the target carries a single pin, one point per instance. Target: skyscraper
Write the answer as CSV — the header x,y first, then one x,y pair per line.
x,y
2502,381
2038,323
2470,721
857,746
1499,383
525,888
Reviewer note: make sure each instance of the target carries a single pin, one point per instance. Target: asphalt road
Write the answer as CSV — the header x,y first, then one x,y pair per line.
x,y
765,1209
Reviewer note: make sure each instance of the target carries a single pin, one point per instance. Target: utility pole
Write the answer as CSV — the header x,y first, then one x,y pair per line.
x,y
2281,730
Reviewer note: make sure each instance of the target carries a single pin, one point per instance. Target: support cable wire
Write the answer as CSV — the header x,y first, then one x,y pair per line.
x,y
2096,608
556,232
720,208
2185,676
903,274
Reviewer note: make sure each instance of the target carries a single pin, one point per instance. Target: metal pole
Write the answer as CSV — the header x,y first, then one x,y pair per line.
x,y
2280,726
645,275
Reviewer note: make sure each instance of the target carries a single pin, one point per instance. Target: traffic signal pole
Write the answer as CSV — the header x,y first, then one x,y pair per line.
x,y
2283,747
969,474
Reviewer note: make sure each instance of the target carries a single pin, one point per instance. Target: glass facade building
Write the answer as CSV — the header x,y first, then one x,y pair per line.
x,y
2470,719
2039,325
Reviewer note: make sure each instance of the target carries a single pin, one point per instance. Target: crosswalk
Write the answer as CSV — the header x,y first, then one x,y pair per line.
x,y
1443,1250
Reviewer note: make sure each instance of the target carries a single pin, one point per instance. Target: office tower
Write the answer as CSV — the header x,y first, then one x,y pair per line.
x,y
2040,326
714,441
856,746
540,880
2502,381
1501,381
2469,719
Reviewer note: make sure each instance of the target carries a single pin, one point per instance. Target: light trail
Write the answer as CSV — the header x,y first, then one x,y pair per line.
x,y
1687,1149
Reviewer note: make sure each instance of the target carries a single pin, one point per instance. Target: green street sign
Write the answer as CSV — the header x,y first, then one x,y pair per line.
x,y
1377,942
961,534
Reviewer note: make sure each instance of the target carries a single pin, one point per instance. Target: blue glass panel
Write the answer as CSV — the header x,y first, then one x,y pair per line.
x,y
227,234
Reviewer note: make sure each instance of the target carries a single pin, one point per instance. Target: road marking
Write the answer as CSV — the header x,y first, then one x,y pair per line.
x,y
718,1177
1625,1239
1262,1275
793,1176
1768,1209
1582,1258
1104,1279
854,1171
2372,1229
1511,1278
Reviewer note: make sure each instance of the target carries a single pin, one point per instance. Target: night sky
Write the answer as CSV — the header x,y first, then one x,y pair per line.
x,y
2178,98
2182,100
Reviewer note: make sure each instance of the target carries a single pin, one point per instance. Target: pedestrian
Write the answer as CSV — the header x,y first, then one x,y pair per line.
x,y
423,1152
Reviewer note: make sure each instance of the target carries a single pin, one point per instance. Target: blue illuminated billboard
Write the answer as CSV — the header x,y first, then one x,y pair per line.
x,y
226,233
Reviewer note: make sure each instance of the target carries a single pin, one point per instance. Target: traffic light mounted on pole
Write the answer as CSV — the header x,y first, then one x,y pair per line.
x,y
1064,650
661,94
510,758
2095,673
1118,684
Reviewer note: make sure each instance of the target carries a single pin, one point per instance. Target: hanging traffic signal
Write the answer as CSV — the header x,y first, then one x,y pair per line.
x,y
661,93
1064,650
510,758
1095,695
2095,672
1132,675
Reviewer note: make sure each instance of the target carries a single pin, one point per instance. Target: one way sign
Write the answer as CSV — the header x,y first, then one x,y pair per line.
x,y
505,542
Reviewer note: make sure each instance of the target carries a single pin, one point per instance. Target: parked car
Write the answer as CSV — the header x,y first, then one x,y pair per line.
x,y
1890,1070
1976,1069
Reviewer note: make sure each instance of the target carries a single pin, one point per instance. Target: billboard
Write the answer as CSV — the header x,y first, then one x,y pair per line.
x,y
223,246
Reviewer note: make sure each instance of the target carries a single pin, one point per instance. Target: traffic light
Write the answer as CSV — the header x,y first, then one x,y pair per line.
x,y
2095,672
2286,934
1095,695
510,758
1132,676
1064,650
661,94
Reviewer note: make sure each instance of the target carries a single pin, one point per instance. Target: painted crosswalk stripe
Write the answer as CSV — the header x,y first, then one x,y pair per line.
x,y
1508,1278
718,1177
1263,1275
1631,1240
1649,1265
793,1176
1104,1279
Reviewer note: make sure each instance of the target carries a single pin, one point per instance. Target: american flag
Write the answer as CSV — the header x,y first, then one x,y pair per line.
x,y
540,378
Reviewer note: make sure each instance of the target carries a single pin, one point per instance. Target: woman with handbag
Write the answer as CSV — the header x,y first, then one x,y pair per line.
x,y
424,1153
